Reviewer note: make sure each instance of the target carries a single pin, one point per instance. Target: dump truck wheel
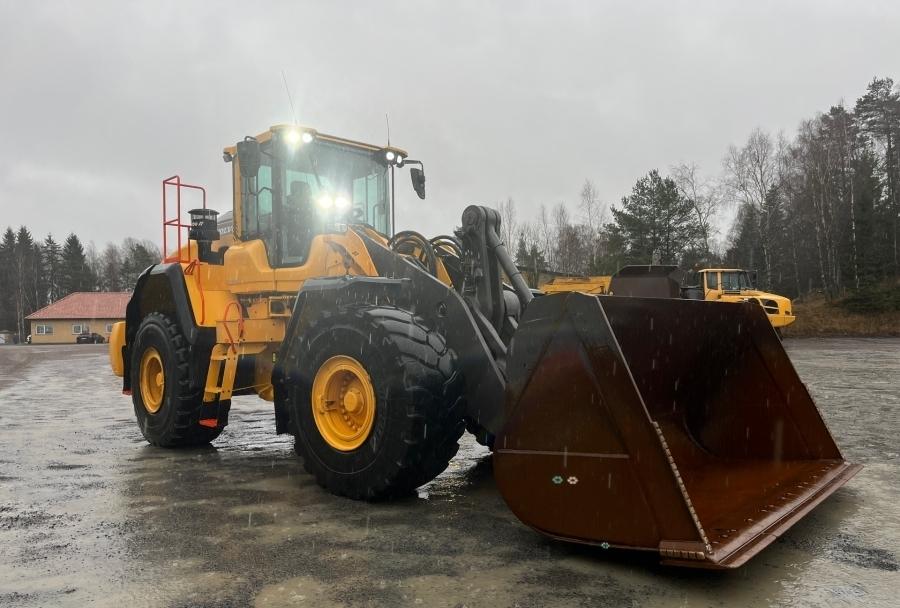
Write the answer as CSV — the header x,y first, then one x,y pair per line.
x,y
399,379
167,412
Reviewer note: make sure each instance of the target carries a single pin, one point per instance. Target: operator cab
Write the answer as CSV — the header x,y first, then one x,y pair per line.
x,y
292,183
727,280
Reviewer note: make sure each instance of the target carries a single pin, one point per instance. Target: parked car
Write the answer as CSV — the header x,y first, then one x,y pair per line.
x,y
91,338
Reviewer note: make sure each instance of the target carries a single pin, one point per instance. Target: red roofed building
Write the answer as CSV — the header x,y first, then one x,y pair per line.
x,y
78,313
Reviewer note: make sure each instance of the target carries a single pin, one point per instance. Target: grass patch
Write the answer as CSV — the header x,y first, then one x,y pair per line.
x,y
884,297
856,315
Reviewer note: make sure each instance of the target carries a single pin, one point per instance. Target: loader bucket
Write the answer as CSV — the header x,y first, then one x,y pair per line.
x,y
674,426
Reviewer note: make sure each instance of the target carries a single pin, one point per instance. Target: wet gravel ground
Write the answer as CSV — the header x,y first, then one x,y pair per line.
x,y
91,515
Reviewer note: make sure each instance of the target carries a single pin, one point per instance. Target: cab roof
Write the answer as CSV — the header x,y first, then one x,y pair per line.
x,y
267,135
723,270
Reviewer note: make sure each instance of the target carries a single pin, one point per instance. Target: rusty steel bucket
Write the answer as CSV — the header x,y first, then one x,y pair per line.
x,y
675,426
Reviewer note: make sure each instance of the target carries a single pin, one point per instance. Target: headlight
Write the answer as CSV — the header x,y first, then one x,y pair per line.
x,y
295,137
399,160
325,202
389,155
341,203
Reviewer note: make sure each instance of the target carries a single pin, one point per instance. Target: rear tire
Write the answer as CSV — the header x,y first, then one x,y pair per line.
x,y
171,416
419,402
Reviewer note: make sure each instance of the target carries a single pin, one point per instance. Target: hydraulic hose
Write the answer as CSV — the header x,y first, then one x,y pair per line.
x,y
509,267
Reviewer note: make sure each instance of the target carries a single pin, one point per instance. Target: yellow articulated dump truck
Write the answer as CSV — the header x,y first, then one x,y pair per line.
x,y
714,284
621,422
734,285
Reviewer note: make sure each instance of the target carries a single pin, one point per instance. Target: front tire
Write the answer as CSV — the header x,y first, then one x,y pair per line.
x,y
168,411
417,411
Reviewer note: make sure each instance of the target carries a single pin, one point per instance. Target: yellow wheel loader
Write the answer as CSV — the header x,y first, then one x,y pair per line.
x,y
673,426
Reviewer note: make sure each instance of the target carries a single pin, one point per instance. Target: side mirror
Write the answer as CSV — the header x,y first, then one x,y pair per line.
x,y
248,157
418,181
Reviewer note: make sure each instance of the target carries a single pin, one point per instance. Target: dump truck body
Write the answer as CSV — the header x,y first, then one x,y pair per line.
x,y
714,284
594,285
656,423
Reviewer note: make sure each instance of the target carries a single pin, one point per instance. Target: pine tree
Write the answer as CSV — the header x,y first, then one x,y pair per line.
x,y
656,221
879,115
52,254
75,274
136,257
8,280
110,275
531,260
26,293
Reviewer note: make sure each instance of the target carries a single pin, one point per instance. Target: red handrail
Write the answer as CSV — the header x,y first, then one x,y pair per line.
x,y
175,222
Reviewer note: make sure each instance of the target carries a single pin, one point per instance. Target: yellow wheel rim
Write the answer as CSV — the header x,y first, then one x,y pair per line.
x,y
153,380
343,403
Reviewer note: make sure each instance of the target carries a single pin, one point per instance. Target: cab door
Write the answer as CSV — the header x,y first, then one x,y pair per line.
x,y
711,286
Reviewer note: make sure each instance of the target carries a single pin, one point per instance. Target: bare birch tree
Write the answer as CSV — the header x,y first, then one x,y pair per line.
x,y
508,226
705,196
750,174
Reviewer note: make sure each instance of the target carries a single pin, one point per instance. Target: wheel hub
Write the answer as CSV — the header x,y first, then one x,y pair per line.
x,y
153,380
343,403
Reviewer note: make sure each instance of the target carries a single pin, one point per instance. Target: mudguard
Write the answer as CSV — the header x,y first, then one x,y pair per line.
x,y
161,288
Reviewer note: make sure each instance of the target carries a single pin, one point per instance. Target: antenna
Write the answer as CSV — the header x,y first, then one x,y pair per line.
x,y
388,122
287,90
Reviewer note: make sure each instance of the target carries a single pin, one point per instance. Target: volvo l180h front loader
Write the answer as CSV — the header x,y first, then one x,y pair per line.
x,y
678,427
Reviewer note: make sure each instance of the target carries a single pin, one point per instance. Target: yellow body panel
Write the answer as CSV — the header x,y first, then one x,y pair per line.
x,y
593,285
249,303
782,317
778,308
116,342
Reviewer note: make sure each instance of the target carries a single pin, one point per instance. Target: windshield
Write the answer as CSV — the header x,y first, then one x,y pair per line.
x,y
346,184
735,281
322,186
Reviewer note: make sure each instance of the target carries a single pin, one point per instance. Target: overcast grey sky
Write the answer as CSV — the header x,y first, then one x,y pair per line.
x,y
100,101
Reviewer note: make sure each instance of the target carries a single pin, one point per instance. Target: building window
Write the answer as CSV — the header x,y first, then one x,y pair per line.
x,y
109,328
81,329
43,330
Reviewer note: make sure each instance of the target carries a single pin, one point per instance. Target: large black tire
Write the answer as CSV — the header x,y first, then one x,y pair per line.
x,y
177,421
418,394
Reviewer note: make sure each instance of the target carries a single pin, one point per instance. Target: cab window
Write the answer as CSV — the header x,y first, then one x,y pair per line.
x,y
712,280
735,281
302,191
257,212
328,186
